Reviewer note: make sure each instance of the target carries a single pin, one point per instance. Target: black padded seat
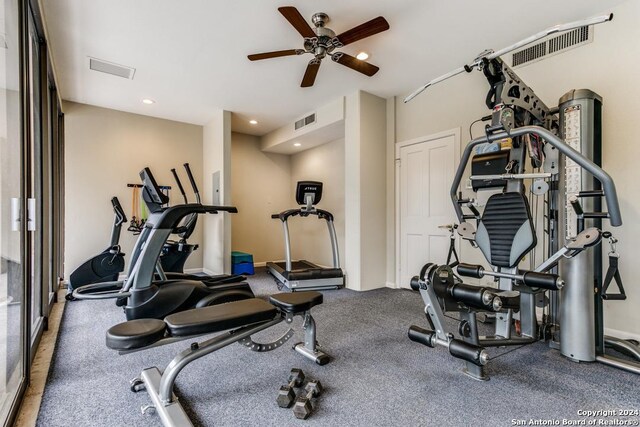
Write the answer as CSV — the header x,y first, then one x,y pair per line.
x,y
135,334
296,302
220,317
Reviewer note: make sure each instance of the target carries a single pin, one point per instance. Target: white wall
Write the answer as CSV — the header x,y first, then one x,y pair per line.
x,y
106,149
261,187
365,191
309,236
216,157
608,66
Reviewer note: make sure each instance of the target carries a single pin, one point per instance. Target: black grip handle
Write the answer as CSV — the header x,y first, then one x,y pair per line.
x,y
275,216
469,352
175,176
190,175
577,207
591,193
471,270
614,297
421,336
117,207
534,279
596,215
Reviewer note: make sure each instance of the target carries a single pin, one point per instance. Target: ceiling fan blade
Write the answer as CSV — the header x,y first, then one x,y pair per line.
x,y
275,54
355,64
311,73
294,17
375,26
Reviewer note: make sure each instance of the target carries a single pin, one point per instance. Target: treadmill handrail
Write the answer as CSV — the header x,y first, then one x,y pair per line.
x,y
605,179
320,213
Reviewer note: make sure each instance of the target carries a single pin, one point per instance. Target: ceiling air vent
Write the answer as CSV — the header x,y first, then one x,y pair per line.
x,y
311,118
111,68
553,46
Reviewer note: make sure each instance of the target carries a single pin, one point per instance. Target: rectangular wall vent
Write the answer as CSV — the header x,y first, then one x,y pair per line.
x,y
111,68
567,40
553,46
530,54
311,118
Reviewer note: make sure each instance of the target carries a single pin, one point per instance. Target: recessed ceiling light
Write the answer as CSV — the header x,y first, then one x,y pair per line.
x,y
148,101
362,56
253,122
297,144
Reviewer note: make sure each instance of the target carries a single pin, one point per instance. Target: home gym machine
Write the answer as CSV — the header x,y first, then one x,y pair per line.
x,y
303,274
568,284
141,296
108,264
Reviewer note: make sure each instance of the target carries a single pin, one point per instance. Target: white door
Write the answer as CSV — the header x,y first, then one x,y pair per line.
x,y
427,169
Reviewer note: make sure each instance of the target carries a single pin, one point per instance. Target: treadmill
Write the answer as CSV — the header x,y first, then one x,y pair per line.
x,y
304,275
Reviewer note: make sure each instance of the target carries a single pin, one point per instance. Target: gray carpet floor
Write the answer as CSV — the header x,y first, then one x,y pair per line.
x,y
377,376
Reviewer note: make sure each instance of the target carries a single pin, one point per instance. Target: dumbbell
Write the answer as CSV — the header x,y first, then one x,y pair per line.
x,y
287,394
302,409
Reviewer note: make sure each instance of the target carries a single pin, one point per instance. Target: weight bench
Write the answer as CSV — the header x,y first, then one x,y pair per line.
x,y
241,318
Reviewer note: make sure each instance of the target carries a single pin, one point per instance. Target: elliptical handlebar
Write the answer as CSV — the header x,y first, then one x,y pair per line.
x,y
121,217
179,183
193,182
174,214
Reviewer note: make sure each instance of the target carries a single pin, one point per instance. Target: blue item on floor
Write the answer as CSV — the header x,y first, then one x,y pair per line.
x,y
241,263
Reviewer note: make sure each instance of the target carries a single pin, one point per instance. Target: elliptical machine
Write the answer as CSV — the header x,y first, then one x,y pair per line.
x,y
108,264
143,297
175,254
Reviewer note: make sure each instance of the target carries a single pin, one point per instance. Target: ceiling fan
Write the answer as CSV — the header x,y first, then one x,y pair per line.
x,y
322,41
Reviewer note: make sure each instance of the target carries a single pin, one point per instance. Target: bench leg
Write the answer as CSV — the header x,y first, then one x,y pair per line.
x,y
308,347
171,413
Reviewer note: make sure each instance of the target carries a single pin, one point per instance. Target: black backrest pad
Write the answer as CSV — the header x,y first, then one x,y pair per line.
x,y
506,232
308,187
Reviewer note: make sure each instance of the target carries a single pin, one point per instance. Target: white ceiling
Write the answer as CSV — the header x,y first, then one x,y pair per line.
x,y
191,55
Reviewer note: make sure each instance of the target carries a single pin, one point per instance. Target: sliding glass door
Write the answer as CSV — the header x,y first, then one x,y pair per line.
x,y
12,230
31,195
34,187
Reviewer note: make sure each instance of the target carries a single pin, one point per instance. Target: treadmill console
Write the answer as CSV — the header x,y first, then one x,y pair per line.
x,y
308,190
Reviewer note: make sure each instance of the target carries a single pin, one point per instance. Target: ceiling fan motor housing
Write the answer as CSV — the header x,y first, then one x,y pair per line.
x,y
323,43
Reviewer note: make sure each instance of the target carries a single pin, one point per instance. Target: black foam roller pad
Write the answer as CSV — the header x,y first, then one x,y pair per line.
x,y
420,335
465,351
470,270
472,296
415,283
540,280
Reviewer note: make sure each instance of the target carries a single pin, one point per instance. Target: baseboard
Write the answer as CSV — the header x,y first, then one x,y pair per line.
x,y
194,270
208,272
622,334
260,264
391,285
